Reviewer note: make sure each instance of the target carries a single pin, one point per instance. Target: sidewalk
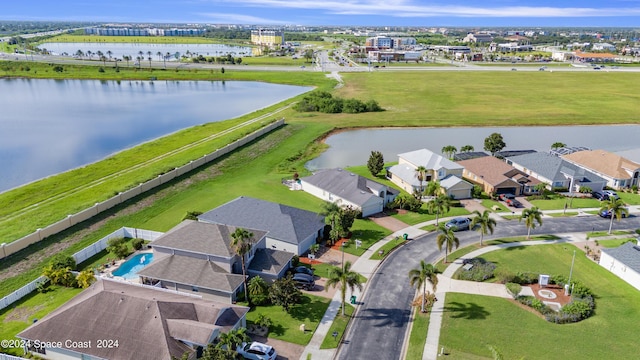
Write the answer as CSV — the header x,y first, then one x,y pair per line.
x,y
447,284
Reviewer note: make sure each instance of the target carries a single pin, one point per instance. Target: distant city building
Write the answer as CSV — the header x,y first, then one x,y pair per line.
x,y
267,37
477,38
386,42
603,47
126,31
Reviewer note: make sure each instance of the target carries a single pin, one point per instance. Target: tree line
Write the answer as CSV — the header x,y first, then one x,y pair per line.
x,y
322,101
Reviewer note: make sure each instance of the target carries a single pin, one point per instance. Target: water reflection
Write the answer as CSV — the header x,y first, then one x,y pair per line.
x,y
50,126
350,148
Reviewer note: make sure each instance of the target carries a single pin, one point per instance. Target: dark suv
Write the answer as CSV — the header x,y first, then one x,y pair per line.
x,y
304,281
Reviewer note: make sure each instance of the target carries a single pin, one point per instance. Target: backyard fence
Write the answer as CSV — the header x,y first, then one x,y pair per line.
x,y
81,256
7,249
10,357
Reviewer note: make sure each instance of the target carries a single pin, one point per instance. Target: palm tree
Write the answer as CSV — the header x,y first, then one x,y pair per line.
x,y
440,204
433,188
159,54
126,58
616,208
420,276
449,151
331,213
485,222
345,278
109,53
421,175
467,148
531,216
233,338
448,238
557,145
241,244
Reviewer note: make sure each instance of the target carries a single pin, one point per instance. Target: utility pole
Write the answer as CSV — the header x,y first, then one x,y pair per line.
x,y
568,285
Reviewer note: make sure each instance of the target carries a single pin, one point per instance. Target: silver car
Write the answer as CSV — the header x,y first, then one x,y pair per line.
x,y
257,351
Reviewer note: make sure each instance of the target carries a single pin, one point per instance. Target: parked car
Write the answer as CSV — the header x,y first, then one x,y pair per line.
x,y
304,281
607,214
458,224
505,197
303,270
597,195
611,194
513,203
256,351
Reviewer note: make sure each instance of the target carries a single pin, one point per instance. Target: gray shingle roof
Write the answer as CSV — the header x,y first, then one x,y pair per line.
x,y
553,167
406,173
137,317
193,272
429,159
282,222
351,187
203,238
270,261
628,254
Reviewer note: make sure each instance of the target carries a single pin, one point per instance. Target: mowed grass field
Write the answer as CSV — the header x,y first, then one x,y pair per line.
x,y
472,322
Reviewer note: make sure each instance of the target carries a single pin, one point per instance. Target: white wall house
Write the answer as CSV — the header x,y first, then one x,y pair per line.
x,y
624,262
348,189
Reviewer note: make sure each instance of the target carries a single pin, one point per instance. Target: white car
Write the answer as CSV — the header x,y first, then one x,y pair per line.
x,y
611,194
257,351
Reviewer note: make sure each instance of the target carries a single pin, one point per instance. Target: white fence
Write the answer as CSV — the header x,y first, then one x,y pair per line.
x,y
71,220
10,357
81,256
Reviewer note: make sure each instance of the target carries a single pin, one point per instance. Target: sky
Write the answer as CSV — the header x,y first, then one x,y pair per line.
x,y
426,13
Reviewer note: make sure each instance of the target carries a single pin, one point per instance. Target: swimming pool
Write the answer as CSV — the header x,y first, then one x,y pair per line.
x,y
129,269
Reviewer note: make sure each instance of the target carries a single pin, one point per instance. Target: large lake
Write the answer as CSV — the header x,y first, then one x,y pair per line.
x,y
50,126
351,148
133,49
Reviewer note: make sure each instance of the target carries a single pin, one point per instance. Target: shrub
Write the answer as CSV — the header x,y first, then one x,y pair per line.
x,y
100,70
476,192
481,270
118,247
85,279
504,276
137,243
192,215
525,278
295,260
514,289
61,261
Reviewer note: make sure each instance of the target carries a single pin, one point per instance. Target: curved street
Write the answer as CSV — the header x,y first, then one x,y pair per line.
x,y
381,324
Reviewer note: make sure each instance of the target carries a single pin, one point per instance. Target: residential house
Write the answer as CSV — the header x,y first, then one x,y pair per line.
x,y
288,228
623,261
438,168
556,172
119,320
198,257
497,177
617,170
348,189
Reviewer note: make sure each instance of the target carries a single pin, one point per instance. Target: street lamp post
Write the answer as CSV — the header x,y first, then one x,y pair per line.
x,y
566,289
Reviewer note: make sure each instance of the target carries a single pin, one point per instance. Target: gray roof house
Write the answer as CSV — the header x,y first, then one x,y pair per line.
x,y
288,228
140,323
556,172
438,168
348,189
623,261
197,257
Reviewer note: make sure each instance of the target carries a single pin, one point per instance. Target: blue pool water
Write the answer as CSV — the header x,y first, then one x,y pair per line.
x,y
129,269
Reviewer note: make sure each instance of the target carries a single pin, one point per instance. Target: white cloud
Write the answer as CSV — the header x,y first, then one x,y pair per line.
x,y
403,8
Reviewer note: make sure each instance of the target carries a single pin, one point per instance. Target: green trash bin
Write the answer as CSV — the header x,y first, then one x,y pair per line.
x,y
405,236
353,299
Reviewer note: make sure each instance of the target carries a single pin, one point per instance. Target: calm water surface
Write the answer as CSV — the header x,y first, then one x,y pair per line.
x,y
350,148
50,126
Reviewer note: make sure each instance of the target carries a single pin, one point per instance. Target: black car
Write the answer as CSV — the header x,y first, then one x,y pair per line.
x,y
304,281
514,203
303,270
597,195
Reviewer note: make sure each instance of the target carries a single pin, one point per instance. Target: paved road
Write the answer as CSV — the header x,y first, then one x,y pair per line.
x,y
381,324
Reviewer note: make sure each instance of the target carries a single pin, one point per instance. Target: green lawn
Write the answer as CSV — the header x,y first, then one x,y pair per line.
x,y
489,204
368,232
21,314
614,243
323,269
387,248
565,214
339,325
286,326
559,202
499,322
629,198
412,218
418,336
596,234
